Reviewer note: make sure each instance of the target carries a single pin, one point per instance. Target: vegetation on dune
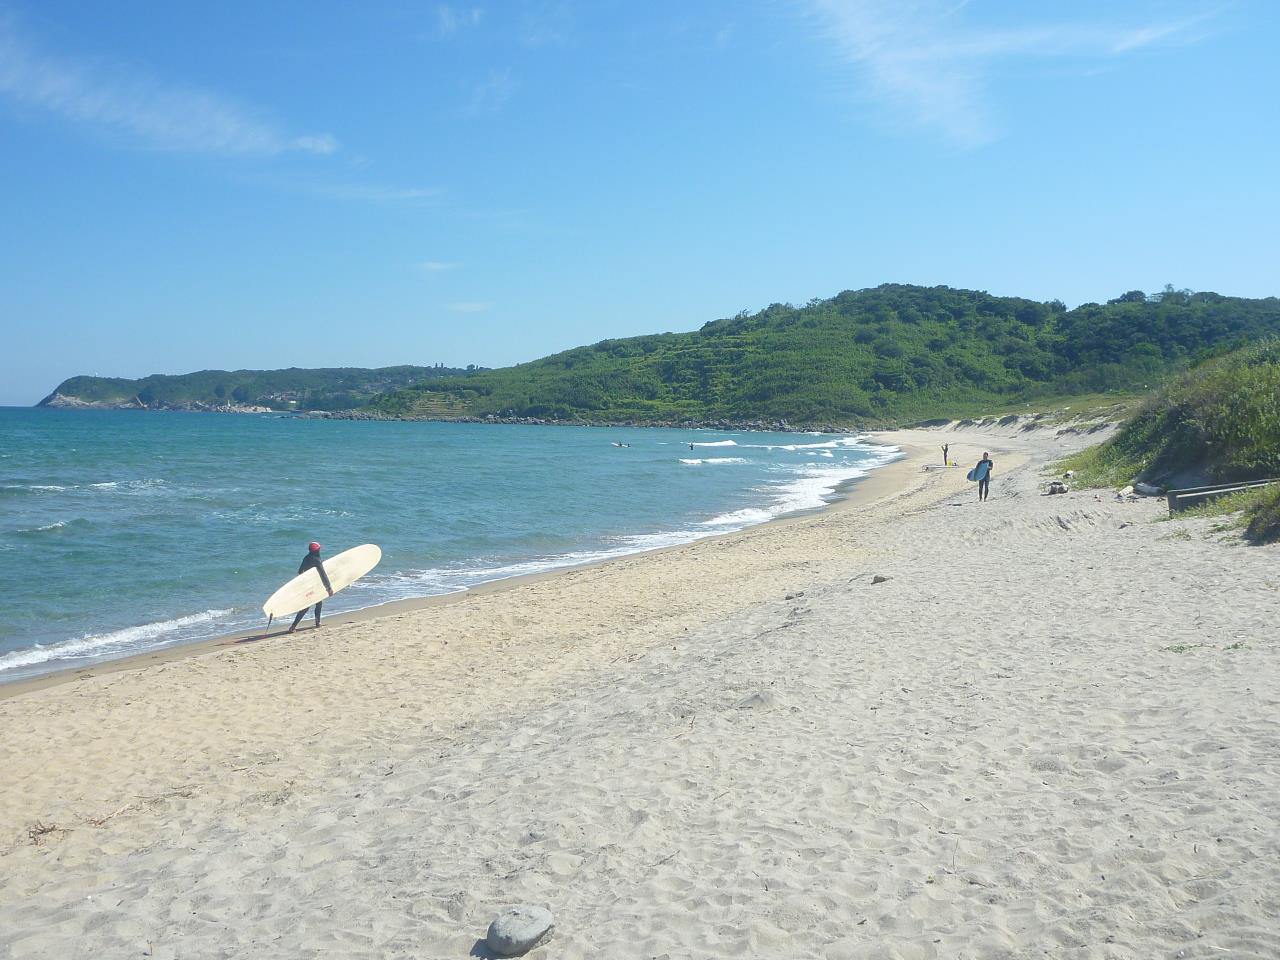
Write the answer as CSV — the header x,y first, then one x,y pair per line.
x,y
1263,517
1221,418
337,388
888,354
1255,512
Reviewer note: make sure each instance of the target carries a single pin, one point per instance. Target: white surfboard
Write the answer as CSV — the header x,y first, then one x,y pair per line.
x,y
307,588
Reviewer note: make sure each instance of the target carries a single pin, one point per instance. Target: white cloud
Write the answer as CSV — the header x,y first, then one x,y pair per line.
x,y
321,143
373,192
920,60
158,114
451,19
548,23
489,96
471,306
436,266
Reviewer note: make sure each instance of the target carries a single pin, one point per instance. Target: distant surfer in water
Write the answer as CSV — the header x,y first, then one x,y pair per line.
x,y
982,473
312,561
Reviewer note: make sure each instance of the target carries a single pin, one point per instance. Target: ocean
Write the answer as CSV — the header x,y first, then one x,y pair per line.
x,y
125,531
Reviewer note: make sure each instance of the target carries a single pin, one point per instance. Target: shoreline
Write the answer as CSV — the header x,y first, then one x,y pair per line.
x,y
879,483
834,735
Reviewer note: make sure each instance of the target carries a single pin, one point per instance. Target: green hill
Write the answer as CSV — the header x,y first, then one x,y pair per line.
x,y
891,353
336,388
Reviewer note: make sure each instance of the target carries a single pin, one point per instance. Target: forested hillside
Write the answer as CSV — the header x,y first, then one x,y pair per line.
x,y
868,356
334,388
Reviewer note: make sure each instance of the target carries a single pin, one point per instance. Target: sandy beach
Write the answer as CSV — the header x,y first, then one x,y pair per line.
x,y
1050,732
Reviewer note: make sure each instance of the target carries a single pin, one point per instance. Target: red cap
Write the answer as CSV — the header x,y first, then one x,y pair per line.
x,y
313,547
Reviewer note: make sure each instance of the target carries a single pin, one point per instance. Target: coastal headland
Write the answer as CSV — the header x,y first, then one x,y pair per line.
x,y
910,725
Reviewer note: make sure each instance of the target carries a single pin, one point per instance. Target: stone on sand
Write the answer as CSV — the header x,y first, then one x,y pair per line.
x,y
519,929
760,700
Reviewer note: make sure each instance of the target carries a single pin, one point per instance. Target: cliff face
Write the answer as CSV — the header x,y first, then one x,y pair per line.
x,y
61,401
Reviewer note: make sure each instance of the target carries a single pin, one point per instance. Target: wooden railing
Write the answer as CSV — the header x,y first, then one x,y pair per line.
x,y
1187,497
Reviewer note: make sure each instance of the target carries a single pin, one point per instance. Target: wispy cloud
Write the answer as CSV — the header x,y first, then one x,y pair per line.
x,y
490,95
923,61
150,111
548,23
471,306
374,192
435,266
450,18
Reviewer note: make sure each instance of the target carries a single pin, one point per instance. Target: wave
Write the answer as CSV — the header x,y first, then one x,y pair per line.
x,y
49,527
116,642
746,517
813,488
129,486
106,485
446,580
715,443
842,442
694,463
16,488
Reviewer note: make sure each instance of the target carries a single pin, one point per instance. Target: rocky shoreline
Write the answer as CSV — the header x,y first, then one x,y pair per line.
x,y
59,401
721,423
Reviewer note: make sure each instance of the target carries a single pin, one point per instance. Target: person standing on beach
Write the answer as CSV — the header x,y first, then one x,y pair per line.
x,y
982,473
945,447
309,562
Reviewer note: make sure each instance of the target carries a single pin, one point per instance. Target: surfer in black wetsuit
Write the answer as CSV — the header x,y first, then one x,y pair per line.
x,y
984,468
310,561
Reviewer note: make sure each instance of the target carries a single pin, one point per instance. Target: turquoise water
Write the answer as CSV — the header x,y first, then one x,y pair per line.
x,y
122,531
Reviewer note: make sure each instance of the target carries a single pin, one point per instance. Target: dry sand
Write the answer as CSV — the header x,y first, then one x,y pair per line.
x,y
1051,733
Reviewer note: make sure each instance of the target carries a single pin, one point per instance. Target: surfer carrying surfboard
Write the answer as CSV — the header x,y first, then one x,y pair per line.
x,y
312,562
982,473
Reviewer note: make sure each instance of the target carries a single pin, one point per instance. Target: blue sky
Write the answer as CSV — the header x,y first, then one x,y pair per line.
x,y
314,184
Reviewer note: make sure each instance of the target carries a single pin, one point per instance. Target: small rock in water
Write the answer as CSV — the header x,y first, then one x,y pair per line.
x,y
519,929
878,579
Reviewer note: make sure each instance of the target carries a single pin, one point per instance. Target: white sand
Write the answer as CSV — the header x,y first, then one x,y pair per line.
x,y
995,753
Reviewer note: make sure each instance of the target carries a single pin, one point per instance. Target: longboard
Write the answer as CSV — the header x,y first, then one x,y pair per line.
x,y
307,588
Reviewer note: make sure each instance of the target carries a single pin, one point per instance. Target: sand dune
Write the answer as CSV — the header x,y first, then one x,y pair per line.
x,y
1052,732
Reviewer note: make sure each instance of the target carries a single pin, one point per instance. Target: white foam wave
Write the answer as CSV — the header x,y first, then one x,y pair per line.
x,y
841,442
715,443
740,518
694,463
116,642
453,580
813,488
